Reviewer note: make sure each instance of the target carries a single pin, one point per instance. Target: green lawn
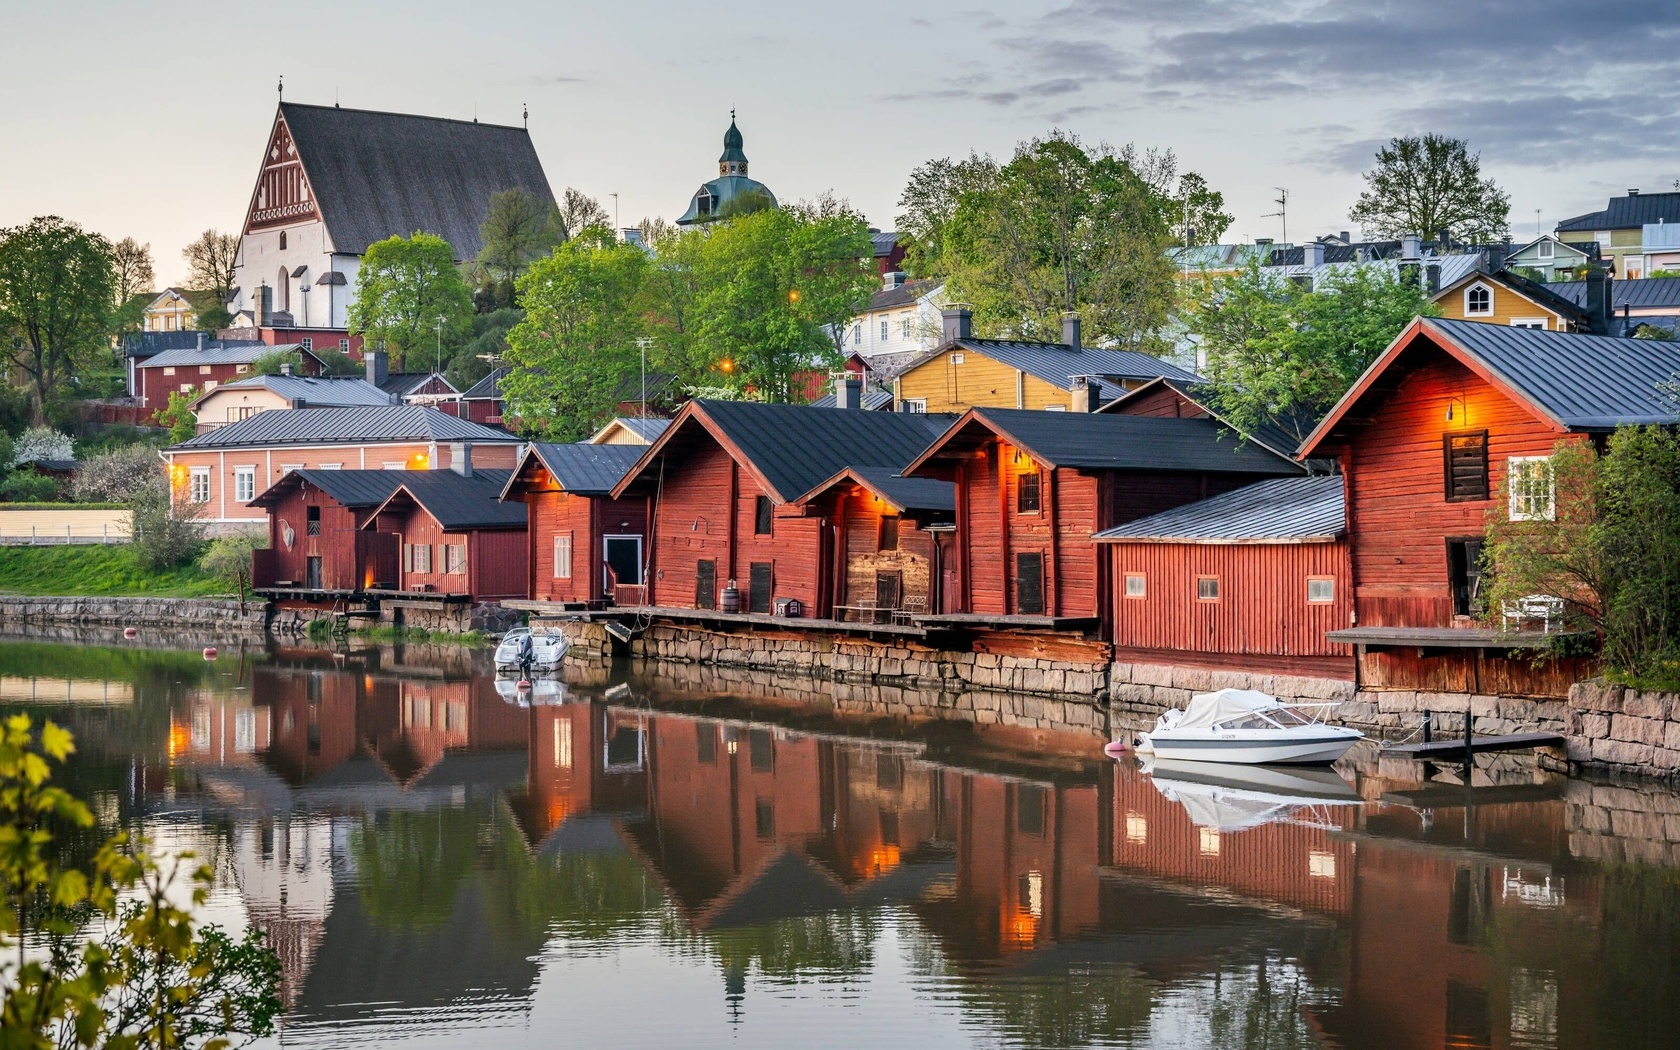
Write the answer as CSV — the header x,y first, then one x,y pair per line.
x,y
96,570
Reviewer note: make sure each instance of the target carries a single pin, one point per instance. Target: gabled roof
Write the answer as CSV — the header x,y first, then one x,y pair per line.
x,y
487,389
1643,293
345,426
231,352
1576,249
882,242
308,391
401,384
1542,295
582,469
905,294
1573,382
1058,363
455,500
791,449
645,429
1625,213
1279,510
1106,441
349,488
375,175
149,344
1272,438
903,494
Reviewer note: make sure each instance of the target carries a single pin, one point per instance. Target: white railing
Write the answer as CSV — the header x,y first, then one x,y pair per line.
x,y
45,536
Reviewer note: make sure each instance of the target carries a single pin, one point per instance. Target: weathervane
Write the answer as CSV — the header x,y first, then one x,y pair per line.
x,y
281,88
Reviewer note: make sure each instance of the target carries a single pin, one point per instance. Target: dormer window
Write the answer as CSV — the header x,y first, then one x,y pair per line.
x,y
704,202
1478,301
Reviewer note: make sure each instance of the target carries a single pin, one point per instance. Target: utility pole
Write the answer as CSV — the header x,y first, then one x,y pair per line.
x,y
642,345
440,344
615,215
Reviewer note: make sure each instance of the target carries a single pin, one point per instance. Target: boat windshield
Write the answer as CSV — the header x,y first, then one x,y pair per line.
x,y
1254,721
1288,716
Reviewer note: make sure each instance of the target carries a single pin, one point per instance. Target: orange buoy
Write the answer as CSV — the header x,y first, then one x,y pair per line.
x,y
523,685
130,632
209,652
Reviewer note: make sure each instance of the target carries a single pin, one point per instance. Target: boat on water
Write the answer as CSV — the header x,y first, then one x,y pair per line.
x,y
538,692
1238,797
523,650
1248,727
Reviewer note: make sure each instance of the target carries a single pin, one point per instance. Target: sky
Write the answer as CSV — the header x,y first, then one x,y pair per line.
x,y
149,120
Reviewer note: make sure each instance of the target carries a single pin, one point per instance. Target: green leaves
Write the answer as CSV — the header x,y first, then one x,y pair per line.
x,y
1429,183
57,286
411,299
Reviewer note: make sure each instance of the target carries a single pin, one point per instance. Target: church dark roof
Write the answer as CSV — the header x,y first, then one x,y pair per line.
x,y
375,175
732,143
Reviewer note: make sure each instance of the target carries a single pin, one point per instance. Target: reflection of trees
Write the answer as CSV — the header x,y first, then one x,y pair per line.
x,y
410,865
583,894
834,946
1255,1005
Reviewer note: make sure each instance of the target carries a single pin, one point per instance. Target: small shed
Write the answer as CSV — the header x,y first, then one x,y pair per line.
x,y
458,540
585,545
891,535
317,550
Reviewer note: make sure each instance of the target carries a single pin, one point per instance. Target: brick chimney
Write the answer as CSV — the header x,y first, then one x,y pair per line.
x,y
957,322
378,368
1087,393
1598,299
1070,330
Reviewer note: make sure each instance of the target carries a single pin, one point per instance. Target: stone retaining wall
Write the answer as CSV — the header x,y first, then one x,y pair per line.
x,y
221,613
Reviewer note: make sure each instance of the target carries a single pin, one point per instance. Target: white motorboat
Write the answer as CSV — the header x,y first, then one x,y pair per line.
x,y
523,649
1247,727
540,692
1236,797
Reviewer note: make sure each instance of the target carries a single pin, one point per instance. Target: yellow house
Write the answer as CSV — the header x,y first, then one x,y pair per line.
x,y
630,430
963,372
174,310
1507,299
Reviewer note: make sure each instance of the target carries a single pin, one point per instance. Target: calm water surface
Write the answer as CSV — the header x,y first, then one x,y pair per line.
x,y
636,861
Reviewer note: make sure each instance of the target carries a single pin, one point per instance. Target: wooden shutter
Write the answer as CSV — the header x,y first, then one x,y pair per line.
x,y
1466,466
889,587
1029,584
763,512
705,584
760,576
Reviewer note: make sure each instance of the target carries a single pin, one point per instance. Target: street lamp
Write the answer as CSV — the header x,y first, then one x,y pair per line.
x,y
440,344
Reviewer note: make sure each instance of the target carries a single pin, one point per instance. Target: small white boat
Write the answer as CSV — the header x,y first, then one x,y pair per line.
x,y
522,649
1247,727
542,692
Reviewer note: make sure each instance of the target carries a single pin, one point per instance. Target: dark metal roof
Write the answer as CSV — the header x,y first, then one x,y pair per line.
x,y
909,493
1279,510
905,294
346,426
460,502
658,385
231,352
147,344
487,389
1058,363
588,470
1108,441
310,391
882,242
349,488
1644,293
376,175
1584,382
1626,213
875,399
401,384
1273,437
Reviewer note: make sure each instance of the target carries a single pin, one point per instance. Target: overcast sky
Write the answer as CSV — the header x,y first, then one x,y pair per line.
x,y
148,120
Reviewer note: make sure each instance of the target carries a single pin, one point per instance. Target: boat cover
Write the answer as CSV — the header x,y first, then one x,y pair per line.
x,y
1208,709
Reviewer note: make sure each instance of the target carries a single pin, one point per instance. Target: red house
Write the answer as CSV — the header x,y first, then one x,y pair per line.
x,y
585,546
1251,579
892,535
1452,416
726,479
201,368
457,540
318,550
1032,488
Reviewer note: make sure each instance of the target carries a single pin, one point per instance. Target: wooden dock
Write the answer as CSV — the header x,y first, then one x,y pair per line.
x,y
1455,749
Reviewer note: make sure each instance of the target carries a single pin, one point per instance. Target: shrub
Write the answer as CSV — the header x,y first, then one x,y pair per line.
x,y
166,533
115,476
271,362
178,416
335,362
229,558
42,443
26,486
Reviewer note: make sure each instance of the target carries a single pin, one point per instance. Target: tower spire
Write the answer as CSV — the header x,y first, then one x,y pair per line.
x,y
281,87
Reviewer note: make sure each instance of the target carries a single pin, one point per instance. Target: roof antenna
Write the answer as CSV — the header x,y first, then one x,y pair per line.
x,y
282,88
526,116
335,96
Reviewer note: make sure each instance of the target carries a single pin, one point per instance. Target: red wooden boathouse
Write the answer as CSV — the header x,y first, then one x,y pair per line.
x,y
585,545
318,551
458,542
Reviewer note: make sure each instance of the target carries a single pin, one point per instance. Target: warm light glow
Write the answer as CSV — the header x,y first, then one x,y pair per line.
x,y
180,739
793,295
177,474
1020,930
558,810
883,859
726,365
417,461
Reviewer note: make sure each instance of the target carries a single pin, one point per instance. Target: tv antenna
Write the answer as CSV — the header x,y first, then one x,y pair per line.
x,y
1282,201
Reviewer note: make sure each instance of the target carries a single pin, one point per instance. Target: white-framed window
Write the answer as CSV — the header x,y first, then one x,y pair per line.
x,y
857,334
904,326
1207,588
1478,300
287,468
392,465
332,466
205,370
198,485
244,484
957,359
455,558
884,325
915,405
1528,480
1529,322
1055,408
168,370
562,555
418,557
1320,590
1544,250
186,388
344,345
1321,864
1137,585
241,369
209,385
307,343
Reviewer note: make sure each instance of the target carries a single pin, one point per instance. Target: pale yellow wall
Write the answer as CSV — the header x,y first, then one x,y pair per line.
x,y
1507,306
979,382
81,524
222,406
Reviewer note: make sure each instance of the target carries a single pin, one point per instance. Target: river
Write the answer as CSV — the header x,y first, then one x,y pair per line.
x,y
632,858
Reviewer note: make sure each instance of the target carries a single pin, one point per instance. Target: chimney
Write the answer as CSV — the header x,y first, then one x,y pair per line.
x,y
1432,273
1087,393
958,323
1347,238
1497,254
259,306
377,369
1070,330
848,390
1443,241
1312,254
201,340
1411,248
285,368
1597,302
892,280
1633,191
460,458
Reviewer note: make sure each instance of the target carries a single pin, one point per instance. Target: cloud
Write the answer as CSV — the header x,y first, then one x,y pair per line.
x,y
555,80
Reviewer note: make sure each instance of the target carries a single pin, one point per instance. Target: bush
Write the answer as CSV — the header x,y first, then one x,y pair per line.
x,y
26,486
335,362
271,362
166,533
229,558
115,476
42,443
178,416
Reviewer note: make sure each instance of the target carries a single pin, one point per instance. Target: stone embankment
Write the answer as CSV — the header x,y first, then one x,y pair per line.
x,y
219,613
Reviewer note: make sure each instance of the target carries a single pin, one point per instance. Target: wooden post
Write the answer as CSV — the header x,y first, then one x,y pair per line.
x,y
1426,721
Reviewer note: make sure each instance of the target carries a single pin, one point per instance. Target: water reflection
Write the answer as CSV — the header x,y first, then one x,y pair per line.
x,y
617,861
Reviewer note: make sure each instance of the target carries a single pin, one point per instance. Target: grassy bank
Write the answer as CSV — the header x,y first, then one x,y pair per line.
x,y
97,571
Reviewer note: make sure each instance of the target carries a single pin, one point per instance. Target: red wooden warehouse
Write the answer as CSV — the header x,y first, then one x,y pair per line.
x,y
585,545
726,478
891,534
1251,579
1032,488
318,551
457,540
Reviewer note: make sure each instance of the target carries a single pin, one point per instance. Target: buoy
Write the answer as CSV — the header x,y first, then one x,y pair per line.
x,y
130,632
209,652
523,685
1117,747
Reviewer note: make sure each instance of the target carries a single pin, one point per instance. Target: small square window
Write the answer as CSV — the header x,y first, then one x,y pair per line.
x,y
205,370
1529,480
1137,585
1320,590
1207,588
168,370
956,359
307,343
344,345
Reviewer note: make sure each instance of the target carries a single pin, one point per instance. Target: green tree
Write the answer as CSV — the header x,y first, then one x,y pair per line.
x,y
154,978
274,362
578,211
518,229
410,290
929,202
1429,183
472,361
178,416
211,261
57,286
578,337
133,277
1280,354
1197,212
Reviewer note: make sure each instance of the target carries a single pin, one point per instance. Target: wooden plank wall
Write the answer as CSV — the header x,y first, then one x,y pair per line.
x,y
498,565
335,546
859,518
587,518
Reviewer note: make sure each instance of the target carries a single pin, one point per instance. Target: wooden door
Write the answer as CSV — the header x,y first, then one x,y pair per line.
x,y
312,572
889,589
1029,584
705,584
760,577
950,579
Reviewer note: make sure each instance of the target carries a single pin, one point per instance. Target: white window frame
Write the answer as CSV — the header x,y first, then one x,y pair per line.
x,y
885,325
1522,503
244,484
168,370
393,465
562,555
418,558
307,343
904,326
205,370
915,405
1470,311
198,484
1207,596
287,468
957,358
1545,249
455,558
332,466
1327,596
1531,322
1141,590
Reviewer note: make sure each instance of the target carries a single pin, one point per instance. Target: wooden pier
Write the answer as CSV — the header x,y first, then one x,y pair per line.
x,y
1456,748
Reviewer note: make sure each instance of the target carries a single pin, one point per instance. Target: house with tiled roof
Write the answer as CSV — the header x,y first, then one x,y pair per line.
x,y
333,181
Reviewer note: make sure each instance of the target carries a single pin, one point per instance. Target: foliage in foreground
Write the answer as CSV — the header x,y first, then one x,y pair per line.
x,y
103,955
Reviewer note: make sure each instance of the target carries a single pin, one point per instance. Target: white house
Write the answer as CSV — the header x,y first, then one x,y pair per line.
x,y
903,316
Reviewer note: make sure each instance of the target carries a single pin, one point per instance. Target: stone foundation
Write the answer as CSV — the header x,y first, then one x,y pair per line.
x,y
220,613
